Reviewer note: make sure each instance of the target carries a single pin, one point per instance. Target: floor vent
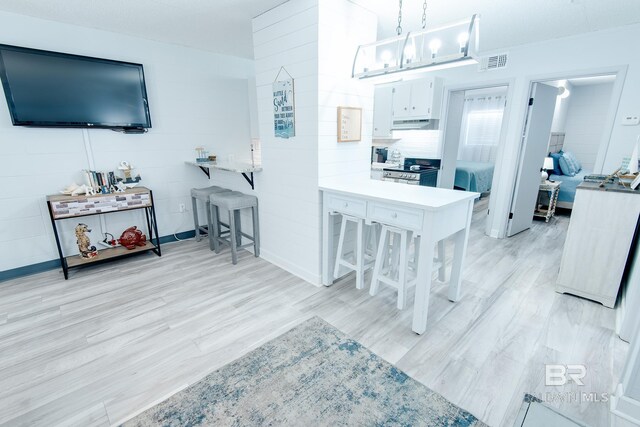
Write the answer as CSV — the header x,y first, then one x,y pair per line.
x,y
493,62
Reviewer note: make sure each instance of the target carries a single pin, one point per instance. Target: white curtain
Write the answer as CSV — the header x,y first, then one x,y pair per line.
x,y
481,124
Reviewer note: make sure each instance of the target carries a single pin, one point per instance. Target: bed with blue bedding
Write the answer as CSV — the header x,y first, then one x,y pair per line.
x,y
474,176
568,187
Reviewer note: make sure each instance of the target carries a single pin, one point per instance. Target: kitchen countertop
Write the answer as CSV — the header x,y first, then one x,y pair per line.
x,y
429,198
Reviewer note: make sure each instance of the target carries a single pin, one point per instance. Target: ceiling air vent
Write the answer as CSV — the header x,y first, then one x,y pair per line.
x,y
493,62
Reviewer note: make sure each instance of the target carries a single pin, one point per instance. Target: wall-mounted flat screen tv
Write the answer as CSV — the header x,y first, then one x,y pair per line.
x,y
51,89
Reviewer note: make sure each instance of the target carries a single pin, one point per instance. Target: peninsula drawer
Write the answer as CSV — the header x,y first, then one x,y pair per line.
x,y
408,218
347,205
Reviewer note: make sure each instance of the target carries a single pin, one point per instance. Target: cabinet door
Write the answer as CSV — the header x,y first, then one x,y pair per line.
x,y
401,100
382,111
421,98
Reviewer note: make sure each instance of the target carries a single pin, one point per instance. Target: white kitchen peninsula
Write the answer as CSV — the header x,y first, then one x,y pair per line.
x,y
433,213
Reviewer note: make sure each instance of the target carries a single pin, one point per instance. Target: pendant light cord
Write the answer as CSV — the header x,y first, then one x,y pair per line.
x,y
424,15
399,27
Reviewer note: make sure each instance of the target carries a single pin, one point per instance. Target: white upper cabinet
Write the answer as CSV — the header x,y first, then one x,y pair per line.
x,y
417,99
382,111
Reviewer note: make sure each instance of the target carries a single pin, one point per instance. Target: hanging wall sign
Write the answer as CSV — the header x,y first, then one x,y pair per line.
x,y
284,122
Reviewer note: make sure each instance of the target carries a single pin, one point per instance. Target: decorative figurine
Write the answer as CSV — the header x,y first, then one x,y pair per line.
x,y
132,237
75,190
84,244
126,169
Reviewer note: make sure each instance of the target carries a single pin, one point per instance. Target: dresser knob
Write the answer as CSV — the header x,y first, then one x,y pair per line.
x,y
394,215
346,205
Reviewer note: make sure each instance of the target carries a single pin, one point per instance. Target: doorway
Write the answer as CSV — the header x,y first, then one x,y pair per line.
x,y
473,134
565,138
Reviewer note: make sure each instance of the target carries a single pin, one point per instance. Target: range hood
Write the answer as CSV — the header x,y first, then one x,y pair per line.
x,y
424,124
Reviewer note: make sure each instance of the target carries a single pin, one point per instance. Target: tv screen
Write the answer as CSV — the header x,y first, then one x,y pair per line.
x,y
53,89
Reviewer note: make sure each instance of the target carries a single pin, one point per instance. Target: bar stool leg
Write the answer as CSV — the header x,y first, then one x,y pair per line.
x,y
343,229
233,237
360,247
238,222
380,258
194,207
256,231
209,225
405,238
215,211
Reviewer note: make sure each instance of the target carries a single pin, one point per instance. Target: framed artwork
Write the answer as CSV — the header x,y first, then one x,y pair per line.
x,y
349,124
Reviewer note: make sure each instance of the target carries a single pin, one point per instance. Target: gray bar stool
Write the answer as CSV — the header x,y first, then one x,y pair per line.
x,y
203,194
234,201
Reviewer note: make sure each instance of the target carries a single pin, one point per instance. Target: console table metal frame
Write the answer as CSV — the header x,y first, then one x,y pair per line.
x,y
108,254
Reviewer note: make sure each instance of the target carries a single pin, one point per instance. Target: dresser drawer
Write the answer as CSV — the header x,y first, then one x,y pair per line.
x,y
393,215
347,205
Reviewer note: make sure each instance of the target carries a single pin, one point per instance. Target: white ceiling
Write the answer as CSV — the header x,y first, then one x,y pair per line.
x,y
224,26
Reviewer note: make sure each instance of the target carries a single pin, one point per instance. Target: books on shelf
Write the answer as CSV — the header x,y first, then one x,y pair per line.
x,y
101,182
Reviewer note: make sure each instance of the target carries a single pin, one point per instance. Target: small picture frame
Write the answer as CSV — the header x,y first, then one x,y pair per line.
x,y
349,124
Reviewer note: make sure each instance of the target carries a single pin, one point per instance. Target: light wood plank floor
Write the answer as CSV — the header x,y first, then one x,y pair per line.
x,y
118,338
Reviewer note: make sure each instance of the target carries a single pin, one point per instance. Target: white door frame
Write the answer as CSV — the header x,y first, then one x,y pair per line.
x,y
509,170
510,84
620,73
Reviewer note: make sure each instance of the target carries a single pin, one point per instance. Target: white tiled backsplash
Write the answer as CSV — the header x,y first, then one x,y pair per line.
x,y
417,143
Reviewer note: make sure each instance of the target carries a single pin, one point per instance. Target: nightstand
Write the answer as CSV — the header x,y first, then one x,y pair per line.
x,y
551,189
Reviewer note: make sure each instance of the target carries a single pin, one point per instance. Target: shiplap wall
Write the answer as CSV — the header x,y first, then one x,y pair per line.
x,y
584,126
315,42
343,27
196,98
287,36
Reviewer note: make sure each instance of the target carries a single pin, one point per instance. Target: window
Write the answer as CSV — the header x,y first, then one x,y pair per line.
x,y
483,127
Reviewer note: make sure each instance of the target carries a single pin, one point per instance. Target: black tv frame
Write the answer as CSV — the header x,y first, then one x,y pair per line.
x,y
83,125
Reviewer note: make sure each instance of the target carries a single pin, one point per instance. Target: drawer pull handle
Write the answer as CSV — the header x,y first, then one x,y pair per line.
x,y
346,205
394,215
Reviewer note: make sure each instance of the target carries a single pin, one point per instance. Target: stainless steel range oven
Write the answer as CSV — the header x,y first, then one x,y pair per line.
x,y
415,172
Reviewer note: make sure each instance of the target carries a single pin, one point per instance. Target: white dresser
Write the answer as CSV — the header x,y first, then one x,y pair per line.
x,y
601,231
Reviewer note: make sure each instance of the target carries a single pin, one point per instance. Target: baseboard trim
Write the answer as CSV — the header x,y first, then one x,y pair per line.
x,y
53,264
305,275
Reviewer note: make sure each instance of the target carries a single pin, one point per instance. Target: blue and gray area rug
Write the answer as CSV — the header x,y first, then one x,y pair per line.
x,y
312,375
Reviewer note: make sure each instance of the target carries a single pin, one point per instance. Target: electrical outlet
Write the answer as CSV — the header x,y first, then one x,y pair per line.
x,y
182,207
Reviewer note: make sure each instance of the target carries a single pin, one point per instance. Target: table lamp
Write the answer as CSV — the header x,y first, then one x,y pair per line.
x,y
548,164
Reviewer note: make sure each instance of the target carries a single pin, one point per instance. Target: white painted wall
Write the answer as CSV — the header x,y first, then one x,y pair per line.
x,y
315,42
343,27
552,60
560,114
288,186
196,98
585,122
418,143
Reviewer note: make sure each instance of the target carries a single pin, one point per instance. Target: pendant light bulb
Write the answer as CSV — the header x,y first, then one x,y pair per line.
x,y
386,57
409,53
462,41
434,45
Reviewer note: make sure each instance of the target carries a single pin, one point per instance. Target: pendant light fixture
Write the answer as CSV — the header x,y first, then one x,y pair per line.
x,y
447,46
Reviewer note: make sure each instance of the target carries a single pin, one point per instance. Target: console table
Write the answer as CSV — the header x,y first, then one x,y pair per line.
x,y
432,213
65,207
